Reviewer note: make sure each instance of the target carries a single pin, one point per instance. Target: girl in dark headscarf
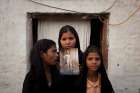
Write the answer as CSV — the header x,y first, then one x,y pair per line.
x,y
43,74
94,78
68,38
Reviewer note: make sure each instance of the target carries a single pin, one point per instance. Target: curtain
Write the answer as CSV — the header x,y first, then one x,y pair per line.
x,y
49,28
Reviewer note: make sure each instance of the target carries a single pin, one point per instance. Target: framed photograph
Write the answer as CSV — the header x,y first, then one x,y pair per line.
x,y
69,62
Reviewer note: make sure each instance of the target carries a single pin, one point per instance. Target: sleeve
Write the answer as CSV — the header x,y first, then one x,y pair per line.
x,y
27,84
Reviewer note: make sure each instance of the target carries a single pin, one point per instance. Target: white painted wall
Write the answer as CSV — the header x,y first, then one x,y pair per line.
x,y
124,40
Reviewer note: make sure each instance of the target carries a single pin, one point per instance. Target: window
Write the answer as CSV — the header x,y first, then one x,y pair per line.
x,y
92,28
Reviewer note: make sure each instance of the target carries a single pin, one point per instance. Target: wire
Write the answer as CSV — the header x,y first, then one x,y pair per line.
x,y
130,16
100,18
113,4
72,10
55,7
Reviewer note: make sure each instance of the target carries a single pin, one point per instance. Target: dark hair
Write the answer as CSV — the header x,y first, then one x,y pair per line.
x,y
106,86
68,28
36,64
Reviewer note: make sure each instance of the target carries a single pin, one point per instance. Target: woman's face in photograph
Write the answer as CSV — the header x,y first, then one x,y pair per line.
x,y
93,61
50,57
68,40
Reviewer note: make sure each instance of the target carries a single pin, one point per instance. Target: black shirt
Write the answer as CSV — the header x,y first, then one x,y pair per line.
x,y
31,85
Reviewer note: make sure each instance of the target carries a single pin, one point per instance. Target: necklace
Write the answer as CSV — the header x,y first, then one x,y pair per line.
x,y
93,87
